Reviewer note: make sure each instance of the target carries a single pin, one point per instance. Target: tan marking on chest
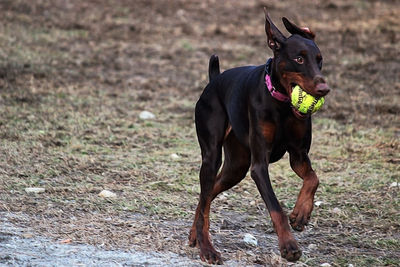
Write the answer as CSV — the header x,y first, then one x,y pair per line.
x,y
268,130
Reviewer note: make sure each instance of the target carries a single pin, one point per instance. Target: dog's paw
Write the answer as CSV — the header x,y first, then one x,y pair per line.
x,y
192,238
290,250
298,221
210,255
300,217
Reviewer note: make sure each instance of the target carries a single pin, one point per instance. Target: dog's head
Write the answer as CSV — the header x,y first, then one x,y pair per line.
x,y
297,59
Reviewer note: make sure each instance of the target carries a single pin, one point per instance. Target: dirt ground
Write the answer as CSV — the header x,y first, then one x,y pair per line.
x,y
74,76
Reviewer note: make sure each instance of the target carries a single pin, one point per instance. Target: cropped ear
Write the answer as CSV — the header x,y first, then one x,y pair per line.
x,y
275,38
293,29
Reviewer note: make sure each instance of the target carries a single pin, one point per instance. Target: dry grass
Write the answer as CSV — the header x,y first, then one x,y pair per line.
x,y
73,83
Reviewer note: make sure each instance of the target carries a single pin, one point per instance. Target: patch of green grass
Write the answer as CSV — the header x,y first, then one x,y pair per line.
x,y
390,243
366,260
187,45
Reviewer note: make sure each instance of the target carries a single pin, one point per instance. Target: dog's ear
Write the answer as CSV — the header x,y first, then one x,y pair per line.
x,y
275,38
293,29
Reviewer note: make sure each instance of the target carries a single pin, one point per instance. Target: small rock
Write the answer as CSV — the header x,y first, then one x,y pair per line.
x,y
174,156
180,12
250,240
27,235
318,203
336,210
146,115
394,184
35,190
312,247
107,194
350,265
325,264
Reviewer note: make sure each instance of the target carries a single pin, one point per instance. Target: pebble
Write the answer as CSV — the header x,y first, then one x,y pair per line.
x,y
107,194
325,264
318,203
394,184
174,156
146,115
35,190
336,210
27,235
250,240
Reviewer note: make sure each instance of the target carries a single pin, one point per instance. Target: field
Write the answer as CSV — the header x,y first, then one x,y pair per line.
x,y
74,78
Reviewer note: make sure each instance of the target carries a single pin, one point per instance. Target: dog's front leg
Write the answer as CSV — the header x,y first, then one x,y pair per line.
x,y
301,165
260,146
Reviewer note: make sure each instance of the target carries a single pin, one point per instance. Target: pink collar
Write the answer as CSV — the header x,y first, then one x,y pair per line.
x,y
275,94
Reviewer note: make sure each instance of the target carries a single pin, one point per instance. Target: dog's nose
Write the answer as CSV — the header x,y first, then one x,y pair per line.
x,y
322,89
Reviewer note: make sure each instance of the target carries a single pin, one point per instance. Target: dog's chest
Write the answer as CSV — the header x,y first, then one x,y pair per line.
x,y
279,146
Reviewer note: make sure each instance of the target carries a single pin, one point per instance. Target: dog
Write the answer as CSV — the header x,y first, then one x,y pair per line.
x,y
247,112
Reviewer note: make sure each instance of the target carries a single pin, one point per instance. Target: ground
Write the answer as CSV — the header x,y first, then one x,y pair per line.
x,y
75,76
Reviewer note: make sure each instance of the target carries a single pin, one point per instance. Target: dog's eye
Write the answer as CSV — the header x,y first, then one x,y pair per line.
x,y
299,60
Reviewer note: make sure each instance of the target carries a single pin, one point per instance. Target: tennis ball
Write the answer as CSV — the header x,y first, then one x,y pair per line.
x,y
305,103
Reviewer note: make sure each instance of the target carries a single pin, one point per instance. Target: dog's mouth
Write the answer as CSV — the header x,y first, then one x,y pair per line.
x,y
291,87
297,114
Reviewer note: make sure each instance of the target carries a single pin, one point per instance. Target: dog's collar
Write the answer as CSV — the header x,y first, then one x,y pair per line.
x,y
274,93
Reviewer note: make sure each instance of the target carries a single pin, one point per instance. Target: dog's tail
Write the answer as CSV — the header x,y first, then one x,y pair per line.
x,y
213,67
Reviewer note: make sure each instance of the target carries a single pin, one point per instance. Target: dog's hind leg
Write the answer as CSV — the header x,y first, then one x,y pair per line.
x,y
211,123
236,165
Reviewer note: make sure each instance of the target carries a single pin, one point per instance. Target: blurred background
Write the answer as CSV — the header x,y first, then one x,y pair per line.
x,y
76,75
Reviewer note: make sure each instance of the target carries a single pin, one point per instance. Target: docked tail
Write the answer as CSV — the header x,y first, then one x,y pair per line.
x,y
213,67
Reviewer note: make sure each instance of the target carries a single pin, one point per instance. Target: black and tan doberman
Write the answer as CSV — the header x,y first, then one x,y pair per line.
x,y
247,112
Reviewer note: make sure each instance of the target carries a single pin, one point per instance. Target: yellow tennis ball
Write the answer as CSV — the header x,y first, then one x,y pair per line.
x,y
305,103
